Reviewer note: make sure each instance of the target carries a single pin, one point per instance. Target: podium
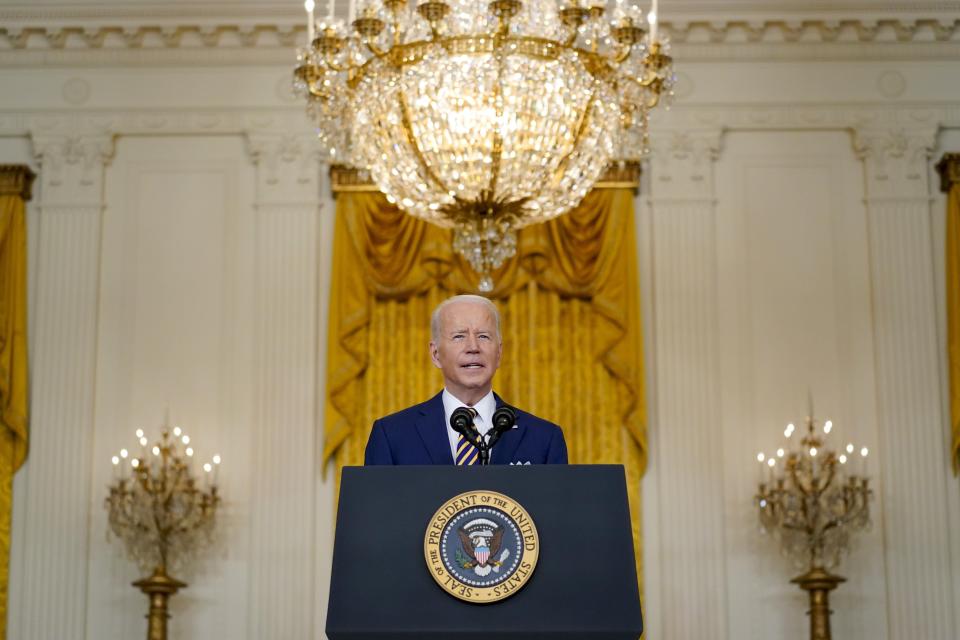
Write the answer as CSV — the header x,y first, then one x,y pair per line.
x,y
584,583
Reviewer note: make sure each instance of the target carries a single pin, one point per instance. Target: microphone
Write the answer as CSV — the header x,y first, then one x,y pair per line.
x,y
462,422
503,420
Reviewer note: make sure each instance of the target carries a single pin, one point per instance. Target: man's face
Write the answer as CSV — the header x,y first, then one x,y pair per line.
x,y
467,350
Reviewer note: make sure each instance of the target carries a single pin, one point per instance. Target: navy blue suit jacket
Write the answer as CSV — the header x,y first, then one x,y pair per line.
x,y
418,435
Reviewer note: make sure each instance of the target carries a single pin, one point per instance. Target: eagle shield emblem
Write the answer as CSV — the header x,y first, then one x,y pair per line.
x,y
481,540
481,546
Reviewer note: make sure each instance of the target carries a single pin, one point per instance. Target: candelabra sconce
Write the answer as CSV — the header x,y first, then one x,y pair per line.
x,y
163,513
812,501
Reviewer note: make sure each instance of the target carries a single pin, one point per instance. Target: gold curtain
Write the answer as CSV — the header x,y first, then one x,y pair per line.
x,y
569,304
949,168
15,184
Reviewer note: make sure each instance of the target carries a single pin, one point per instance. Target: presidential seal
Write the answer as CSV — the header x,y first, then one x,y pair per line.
x,y
481,546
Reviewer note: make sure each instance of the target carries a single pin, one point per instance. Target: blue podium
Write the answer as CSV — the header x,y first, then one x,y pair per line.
x,y
393,522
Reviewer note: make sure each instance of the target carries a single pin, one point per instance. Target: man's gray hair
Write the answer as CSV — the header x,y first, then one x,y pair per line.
x,y
435,318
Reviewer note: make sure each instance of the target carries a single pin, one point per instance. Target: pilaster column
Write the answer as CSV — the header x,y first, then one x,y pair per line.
x,y
51,576
912,453
685,330
284,461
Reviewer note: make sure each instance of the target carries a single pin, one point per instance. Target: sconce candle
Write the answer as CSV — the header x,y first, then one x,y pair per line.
x,y
163,518
812,507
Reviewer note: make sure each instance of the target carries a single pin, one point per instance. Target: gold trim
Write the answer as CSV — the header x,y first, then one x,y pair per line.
x,y
479,589
949,170
621,175
345,179
16,180
410,53
159,588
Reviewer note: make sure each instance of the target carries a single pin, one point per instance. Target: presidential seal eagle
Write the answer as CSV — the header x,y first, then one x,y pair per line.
x,y
481,540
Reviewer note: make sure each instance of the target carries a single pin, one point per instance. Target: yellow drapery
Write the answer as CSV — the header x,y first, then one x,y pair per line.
x,y
15,184
949,168
570,312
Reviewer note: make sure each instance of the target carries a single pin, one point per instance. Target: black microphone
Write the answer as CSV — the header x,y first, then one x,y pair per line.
x,y
462,422
503,420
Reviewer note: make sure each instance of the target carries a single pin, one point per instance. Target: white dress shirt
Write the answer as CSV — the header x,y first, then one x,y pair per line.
x,y
484,420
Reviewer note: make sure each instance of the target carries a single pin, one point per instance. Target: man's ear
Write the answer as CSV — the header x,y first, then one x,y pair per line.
x,y
435,354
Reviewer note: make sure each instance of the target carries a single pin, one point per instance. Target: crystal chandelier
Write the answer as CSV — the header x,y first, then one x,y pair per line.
x,y
812,501
484,117
163,513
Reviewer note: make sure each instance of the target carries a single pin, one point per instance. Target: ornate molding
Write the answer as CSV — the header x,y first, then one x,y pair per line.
x,y
949,170
16,180
72,169
87,153
896,161
814,30
270,152
682,164
288,166
119,36
130,38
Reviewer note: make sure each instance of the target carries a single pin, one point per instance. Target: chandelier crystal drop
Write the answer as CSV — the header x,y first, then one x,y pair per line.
x,y
484,117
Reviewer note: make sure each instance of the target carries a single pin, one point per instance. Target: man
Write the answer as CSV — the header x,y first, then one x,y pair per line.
x,y
466,346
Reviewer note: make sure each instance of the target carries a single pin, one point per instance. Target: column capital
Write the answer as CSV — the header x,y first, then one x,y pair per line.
x,y
682,163
288,168
895,161
72,167
949,170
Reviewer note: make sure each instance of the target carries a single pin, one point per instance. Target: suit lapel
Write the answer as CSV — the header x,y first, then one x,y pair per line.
x,y
509,442
432,428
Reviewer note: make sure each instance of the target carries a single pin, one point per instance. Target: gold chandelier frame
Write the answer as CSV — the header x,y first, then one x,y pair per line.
x,y
486,216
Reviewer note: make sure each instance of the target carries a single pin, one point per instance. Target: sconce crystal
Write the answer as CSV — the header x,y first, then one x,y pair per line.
x,y
164,513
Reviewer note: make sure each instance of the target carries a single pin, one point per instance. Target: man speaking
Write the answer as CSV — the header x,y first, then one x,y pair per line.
x,y
466,346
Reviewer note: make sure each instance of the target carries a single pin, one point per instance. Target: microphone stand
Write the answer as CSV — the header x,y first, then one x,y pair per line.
x,y
484,449
479,441
503,420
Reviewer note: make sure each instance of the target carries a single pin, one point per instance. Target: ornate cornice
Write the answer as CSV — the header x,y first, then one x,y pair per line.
x,y
811,30
269,38
949,170
271,9
16,180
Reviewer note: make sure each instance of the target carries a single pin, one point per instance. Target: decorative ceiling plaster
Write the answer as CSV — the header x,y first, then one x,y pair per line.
x,y
237,42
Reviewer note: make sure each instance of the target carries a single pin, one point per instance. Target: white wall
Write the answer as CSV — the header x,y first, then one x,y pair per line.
x,y
790,239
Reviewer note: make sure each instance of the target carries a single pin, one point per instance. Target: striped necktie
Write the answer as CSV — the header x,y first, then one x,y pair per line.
x,y
466,452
